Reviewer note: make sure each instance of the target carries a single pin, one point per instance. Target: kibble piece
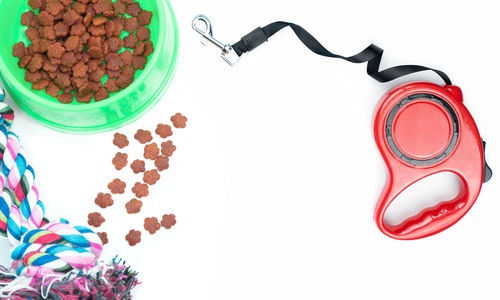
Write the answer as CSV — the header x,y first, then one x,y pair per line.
x,y
54,7
104,237
130,41
126,57
151,177
140,190
83,98
112,75
79,7
20,50
152,225
35,4
115,44
138,166
96,219
168,221
52,90
148,48
78,29
143,136
164,130
27,18
139,62
40,85
35,63
168,148
143,33
68,59
100,20
96,30
120,140
47,32
117,186
97,75
133,237
102,6
134,9
104,200
32,77
101,94
161,163
111,86
61,29
133,206
145,18
131,25
120,7
32,33
151,151
46,18
114,62
55,50
65,98
62,80
139,48
179,120
120,160
80,69
70,17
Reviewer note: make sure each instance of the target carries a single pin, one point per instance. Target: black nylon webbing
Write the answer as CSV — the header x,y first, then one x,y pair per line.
x,y
372,54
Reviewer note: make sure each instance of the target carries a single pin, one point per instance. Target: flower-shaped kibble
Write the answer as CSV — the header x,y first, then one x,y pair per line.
x,y
161,163
120,160
179,120
133,206
143,136
133,237
138,166
151,151
168,148
151,177
95,219
152,225
120,140
117,186
104,200
140,190
164,131
104,237
168,221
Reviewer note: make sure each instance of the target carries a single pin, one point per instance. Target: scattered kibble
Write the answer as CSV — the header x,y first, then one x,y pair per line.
x,y
117,186
104,200
179,120
161,163
151,151
138,166
133,237
133,206
151,177
120,140
96,219
143,136
152,225
104,237
120,160
168,221
168,148
164,130
140,190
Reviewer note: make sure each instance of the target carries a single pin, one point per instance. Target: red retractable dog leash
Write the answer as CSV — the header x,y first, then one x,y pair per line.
x,y
420,129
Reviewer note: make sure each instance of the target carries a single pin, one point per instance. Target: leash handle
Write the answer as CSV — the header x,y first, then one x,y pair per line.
x,y
371,55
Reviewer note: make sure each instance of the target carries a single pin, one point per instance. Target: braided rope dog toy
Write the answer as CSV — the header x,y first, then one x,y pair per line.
x,y
52,260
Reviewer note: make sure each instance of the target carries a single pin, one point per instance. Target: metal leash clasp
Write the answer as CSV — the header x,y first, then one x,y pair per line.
x,y
203,26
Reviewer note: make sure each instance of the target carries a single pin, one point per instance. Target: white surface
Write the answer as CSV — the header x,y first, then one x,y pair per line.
x,y
275,179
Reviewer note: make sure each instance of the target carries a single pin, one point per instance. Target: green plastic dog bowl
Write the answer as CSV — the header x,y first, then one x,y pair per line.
x,y
120,108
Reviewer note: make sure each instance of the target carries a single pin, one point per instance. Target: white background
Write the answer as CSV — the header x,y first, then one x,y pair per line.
x,y
277,174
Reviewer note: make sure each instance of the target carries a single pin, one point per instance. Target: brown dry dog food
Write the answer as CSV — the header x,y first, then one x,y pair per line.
x,y
66,34
152,225
168,148
143,136
117,186
151,177
120,160
140,190
133,206
104,200
151,151
164,130
179,120
104,237
168,221
138,166
120,140
95,219
133,237
161,163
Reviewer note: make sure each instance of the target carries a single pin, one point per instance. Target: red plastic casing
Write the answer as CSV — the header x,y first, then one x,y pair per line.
x,y
428,134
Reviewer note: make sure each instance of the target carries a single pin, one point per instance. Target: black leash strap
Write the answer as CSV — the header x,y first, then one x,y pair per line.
x,y
372,54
